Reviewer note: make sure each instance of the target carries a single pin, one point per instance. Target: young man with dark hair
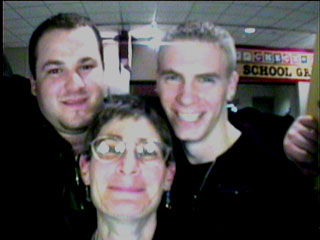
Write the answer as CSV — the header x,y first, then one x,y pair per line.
x,y
67,66
66,62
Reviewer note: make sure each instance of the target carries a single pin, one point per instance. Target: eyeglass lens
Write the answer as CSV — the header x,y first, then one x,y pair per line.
x,y
109,149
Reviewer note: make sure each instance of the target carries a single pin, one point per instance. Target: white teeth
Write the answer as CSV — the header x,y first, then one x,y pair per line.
x,y
189,117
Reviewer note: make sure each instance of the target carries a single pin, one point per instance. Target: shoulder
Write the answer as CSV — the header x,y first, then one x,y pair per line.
x,y
253,155
271,127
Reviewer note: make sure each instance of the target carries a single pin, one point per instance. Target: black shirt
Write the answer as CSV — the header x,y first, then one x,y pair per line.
x,y
250,189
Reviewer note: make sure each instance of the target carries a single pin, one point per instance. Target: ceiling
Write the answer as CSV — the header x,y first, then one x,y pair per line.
x,y
279,24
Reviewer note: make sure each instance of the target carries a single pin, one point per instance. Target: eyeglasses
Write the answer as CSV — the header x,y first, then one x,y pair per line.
x,y
108,148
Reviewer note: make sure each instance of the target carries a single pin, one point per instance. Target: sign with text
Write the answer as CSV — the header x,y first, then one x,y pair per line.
x,y
274,65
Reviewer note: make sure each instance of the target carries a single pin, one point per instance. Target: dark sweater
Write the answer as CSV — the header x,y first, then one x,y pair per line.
x,y
250,190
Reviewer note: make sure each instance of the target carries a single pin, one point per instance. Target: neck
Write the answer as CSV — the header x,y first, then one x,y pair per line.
x,y
217,142
110,228
76,140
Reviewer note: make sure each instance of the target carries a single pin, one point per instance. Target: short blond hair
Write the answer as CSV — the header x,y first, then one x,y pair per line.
x,y
205,32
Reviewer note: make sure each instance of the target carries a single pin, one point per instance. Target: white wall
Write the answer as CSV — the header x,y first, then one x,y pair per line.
x,y
303,90
118,83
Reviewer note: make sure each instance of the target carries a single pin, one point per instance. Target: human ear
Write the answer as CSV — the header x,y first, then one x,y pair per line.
x,y
84,165
33,86
232,85
169,176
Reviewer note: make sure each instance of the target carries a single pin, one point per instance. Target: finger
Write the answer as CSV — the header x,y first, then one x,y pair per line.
x,y
304,143
309,171
305,131
299,155
297,138
308,121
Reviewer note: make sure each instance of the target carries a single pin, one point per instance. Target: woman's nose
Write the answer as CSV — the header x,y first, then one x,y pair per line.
x,y
128,164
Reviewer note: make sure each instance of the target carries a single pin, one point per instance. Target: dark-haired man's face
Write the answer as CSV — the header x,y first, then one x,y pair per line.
x,y
70,84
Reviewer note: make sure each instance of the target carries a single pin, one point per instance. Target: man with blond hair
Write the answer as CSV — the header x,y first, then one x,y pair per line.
x,y
231,182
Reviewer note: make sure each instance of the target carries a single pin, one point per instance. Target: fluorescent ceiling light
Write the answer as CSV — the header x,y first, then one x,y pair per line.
x,y
149,35
249,30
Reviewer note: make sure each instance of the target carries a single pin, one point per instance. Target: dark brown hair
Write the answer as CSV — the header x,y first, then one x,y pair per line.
x,y
128,106
60,21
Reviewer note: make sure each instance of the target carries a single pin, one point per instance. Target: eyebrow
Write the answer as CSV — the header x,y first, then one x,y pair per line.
x,y
139,140
210,74
59,63
170,71
114,136
51,62
87,59
215,75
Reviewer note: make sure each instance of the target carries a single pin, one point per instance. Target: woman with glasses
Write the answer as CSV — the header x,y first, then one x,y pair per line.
x,y
128,165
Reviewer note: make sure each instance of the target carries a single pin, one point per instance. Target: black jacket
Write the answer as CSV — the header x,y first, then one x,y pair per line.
x,y
45,195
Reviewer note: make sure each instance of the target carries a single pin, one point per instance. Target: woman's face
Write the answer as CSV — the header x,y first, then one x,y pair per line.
x,y
127,180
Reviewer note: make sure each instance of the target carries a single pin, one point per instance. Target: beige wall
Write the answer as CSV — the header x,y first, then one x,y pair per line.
x,y
18,59
144,60
287,100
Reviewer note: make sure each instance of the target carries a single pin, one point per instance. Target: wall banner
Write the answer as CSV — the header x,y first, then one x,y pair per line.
x,y
274,65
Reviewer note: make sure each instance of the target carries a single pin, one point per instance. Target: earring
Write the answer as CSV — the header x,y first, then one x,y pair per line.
x,y
77,170
88,196
230,97
168,200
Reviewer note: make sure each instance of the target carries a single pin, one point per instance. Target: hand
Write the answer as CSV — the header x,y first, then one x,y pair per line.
x,y
301,144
